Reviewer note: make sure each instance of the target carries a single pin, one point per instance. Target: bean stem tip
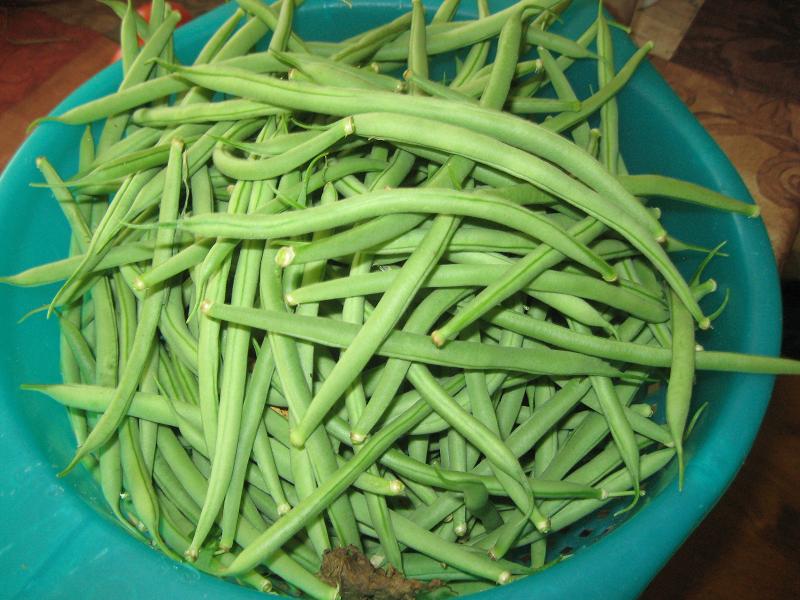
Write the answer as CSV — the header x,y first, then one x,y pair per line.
x,y
205,306
285,256
438,338
297,439
357,438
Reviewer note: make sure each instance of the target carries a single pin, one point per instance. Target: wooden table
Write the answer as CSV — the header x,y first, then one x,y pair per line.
x,y
749,547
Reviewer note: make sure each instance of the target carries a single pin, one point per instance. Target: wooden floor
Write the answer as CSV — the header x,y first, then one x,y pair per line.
x,y
738,69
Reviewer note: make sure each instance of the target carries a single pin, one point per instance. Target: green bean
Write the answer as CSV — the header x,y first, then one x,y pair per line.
x,y
474,204
128,44
79,350
93,398
300,460
375,125
122,202
477,55
280,25
238,412
172,326
458,35
122,166
538,396
226,110
456,555
457,450
432,88
282,35
628,298
298,395
115,346
270,167
576,309
147,324
120,8
249,511
508,409
252,409
138,484
208,344
417,471
220,39
594,102
681,379
329,72
170,488
70,365
276,144
265,459
139,139
446,11
374,331
533,106
67,203
467,238
378,152
228,412
125,100
417,44
637,353
476,85
557,43
148,430
278,562
668,187
413,347
609,112
138,71
355,402
651,463
313,272
515,278
366,45
620,427
394,371
509,129
502,460
210,278
308,507
61,269
366,482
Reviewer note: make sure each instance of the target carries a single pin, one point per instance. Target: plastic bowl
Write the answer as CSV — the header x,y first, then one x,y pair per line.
x,y
60,542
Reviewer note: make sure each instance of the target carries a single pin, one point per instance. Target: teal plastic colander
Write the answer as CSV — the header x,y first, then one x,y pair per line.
x,y
58,540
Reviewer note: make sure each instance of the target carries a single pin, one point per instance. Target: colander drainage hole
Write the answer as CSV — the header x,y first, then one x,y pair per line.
x,y
585,533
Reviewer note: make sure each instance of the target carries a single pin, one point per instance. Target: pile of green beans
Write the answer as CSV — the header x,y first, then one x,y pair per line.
x,y
319,297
